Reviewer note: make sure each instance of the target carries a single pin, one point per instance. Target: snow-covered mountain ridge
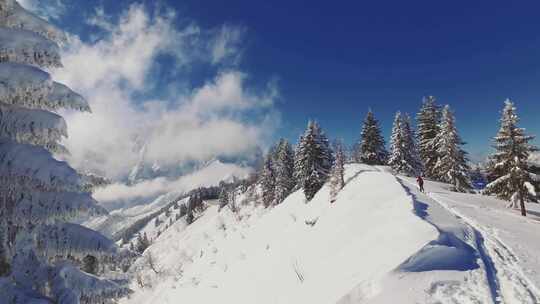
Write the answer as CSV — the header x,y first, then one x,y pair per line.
x,y
121,197
380,241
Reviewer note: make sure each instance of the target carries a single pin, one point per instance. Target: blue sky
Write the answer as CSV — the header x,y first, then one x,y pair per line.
x,y
334,60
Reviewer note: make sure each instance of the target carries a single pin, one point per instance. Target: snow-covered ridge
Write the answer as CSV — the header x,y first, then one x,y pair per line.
x,y
381,240
121,196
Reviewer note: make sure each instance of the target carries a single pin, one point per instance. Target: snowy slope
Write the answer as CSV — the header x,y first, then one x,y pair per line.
x,y
120,219
139,207
275,257
381,242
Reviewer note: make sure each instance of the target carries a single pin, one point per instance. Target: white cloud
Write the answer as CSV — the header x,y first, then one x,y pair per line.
x,y
101,20
227,44
221,117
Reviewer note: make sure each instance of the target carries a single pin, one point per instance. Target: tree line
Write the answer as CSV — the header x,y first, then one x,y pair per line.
x,y
433,150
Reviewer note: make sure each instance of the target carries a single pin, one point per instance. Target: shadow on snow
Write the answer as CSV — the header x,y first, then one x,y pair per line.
x,y
447,252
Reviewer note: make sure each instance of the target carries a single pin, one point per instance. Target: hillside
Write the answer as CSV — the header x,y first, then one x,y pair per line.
x,y
380,241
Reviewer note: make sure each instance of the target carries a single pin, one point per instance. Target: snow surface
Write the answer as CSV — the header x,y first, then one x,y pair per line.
x,y
275,257
382,241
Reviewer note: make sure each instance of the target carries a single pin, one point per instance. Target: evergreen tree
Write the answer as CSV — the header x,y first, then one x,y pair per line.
x,y
403,154
411,148
284,171
451,166
396,144
428,120
337,181
371,148
189,216
223,198
313,160
509,168
40,249
90,265
268,181
142,243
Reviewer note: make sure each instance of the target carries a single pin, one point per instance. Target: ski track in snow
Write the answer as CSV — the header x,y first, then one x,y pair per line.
x,y
513,285
506,279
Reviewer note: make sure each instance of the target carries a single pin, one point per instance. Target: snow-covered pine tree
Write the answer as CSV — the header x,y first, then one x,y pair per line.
x,y
509,168
297,172
142,243
313,160
223,198
427,125
189,216
411,148
284,171
403,153
268,181
396,157
451,167
371,149
41,253
337,181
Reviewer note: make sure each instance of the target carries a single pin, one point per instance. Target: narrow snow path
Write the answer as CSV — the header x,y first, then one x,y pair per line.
x,y
514,286
504,275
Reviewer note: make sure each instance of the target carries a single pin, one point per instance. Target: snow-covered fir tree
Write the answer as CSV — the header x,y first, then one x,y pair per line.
x,y
396,144
411,147
142,243
268,181
284,170
337,180
428,120
41,252
403,152
509,169
313,160
451,167
223,198
371,149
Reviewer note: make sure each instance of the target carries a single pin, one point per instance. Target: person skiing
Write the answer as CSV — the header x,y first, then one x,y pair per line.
x,y
420,182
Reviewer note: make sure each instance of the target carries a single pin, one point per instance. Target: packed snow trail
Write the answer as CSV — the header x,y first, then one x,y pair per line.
x,y
514,285
505,277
